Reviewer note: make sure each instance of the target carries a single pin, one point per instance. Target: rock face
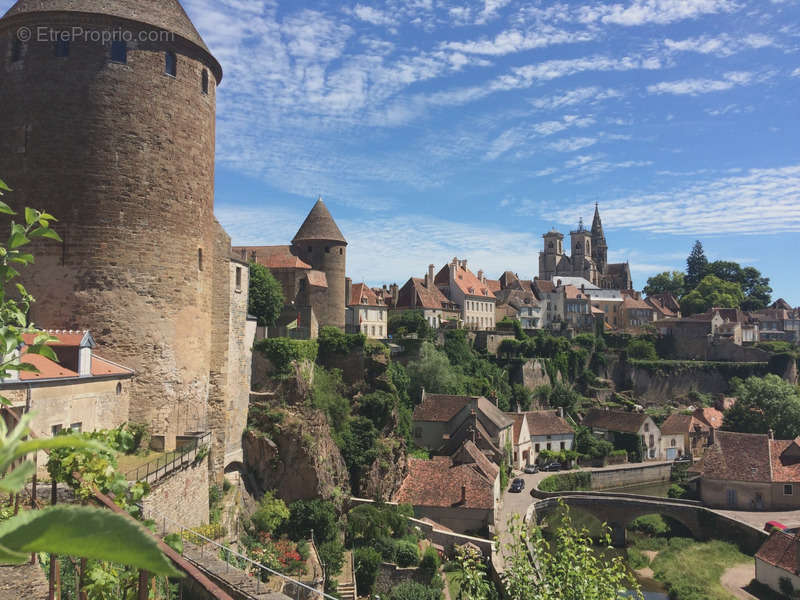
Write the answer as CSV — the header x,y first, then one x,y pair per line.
x,y
296,457
386,474
656,388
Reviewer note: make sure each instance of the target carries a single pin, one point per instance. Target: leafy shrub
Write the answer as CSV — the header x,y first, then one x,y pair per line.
x,y
429,565
272,513
563,482
386,546
367,561
653,525
333,340
332,556
307,515
406,554
282,352
411,590
676,491
640,349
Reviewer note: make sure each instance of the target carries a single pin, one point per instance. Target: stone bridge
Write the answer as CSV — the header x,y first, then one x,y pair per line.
x,y
619,510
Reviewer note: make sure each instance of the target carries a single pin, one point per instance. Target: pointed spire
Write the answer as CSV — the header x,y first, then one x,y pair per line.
x,y
597,224
319,225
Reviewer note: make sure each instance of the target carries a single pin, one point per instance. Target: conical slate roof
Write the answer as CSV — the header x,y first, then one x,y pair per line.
x,y
319,225
164,14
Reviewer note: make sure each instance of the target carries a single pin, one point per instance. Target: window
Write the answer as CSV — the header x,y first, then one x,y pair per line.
x,y
76,427
563,445
199,259
549,446
341,251
171,64
647,426
787,489
61,49
327,249
56,429
16,51
238,279
205,81
119,388
673,443
537,447
417,432
119,52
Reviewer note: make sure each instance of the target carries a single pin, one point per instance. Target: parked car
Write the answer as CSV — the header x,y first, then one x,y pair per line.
x,y
683,459
517,485
771,525
531,469
552,466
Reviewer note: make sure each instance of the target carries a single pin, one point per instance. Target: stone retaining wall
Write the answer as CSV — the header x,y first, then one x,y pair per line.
x,y
181,497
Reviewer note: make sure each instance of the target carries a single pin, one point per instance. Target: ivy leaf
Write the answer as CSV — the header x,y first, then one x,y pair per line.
x,y
87,533
30,216
18,237
4,187
15,481
45,232
5,208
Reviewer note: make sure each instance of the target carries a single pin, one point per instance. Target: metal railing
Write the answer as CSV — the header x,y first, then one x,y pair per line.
x,y
157,468
234,559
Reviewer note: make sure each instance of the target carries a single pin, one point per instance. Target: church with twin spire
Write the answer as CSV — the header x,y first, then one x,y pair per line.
x,y
588,257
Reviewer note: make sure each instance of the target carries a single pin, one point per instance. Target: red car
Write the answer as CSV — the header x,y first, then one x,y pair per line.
x,y
770,525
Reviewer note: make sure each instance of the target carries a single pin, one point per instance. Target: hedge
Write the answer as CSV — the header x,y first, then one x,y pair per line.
x,y
729,369
567,482
282,352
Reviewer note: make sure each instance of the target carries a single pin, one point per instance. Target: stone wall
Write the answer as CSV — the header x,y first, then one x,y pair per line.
x,y
390,575
23,581
181,497
630,476
654,388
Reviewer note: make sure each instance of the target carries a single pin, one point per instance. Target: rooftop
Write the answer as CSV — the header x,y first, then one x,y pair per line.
x,y
272,257
440,483
547,422
780,550
319,226
614,420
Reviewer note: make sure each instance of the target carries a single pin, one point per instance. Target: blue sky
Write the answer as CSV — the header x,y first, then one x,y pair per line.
x,y
435,128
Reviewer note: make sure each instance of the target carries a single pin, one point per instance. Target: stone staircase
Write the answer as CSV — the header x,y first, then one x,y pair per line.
x,y
345,582
347,591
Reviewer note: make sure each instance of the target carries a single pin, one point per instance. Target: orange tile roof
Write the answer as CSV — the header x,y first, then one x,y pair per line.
x,y
65,337
466,280
785,456
273,257
102,366
317,279
438,482
494,285
631,302
710,416
362,295
431,298
780,550
47,368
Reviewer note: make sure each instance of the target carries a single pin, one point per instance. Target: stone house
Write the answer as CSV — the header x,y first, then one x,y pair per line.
x,y
520,441
468,291
608,423
608,301
460,491
684,434
666,306
422,294
519,303
750,471
636,313
440,423
366,312
577,308
82,391
717,324
549,431
779,558
778,323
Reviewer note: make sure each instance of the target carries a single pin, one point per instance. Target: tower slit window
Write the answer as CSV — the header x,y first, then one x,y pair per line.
x,y
238,279
205,81
16,50
61,49
171,64
199,259
119,51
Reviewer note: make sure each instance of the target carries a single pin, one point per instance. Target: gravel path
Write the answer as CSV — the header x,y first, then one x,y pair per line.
x,y
735,579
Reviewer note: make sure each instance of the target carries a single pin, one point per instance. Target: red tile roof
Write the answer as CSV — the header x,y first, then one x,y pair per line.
x,y
518,419
47,369
710,416
432,299
362,295
101,366
544,286
439,407
785,457
486,467
466,280
317,279
780,550
614,420
272,257
547,422
677,423
65,338
440,483
493,285
631,302
737,457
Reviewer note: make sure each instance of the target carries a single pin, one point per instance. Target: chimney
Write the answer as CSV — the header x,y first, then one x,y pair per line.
x,y
348,290
772,434
244,253
464,264
561,411
480,275
429,280
395,293
463,494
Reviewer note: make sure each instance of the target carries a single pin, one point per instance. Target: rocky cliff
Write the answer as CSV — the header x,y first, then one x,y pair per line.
x,y
387,472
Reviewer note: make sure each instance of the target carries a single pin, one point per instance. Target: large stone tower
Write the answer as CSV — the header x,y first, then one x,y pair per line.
x,y
116,139
320,243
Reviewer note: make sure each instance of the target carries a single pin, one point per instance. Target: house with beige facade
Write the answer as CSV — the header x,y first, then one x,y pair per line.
x,y
779,559
548,431
81,392
366,313
610,423
423,295
750,471
460,491
520,441
469,291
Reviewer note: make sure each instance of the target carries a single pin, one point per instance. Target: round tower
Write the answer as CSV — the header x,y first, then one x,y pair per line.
x,y
320,243
108,115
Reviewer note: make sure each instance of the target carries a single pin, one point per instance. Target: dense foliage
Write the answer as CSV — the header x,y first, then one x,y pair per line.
x,y
712,292
283,352
265,296
333,340
763,405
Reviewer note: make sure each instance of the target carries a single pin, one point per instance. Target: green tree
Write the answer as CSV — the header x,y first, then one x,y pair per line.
x,y
712,292
521,397
696,265
271,514
366,561
429,565
331,553
457,347
764,404
567,567
756,289
592,446
409,321
78,531
563,396
377,407
668,282
641,349
315,515
265,299
471,576
433,372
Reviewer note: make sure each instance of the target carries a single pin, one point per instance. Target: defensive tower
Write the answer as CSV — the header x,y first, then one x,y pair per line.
x,y
107,114
320,243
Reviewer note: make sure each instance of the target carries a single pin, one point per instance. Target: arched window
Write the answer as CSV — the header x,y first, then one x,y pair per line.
x,y
16,50
119,388
205,81
171,64
673,443
119,51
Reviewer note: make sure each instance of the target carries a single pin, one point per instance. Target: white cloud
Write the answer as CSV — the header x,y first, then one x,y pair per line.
x,y
659,12
524,135
796,72
693,87
572,144
576,96
762,201
722,45
372,15
511,41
